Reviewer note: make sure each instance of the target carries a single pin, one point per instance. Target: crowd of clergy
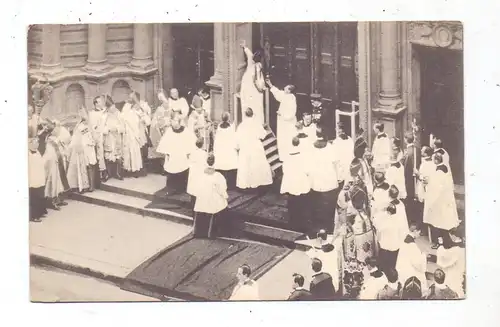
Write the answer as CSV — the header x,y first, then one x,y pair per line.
x,y
375,201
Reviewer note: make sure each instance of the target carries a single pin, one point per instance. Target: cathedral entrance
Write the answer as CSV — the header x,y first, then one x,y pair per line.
x,y
315,57
193,62
442,102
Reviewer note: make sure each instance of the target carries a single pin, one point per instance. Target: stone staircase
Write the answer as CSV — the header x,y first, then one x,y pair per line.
x,y
135,195
271,148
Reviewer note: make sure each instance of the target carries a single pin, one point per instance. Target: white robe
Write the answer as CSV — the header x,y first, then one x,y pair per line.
x,y
197,165
36,169
226,148
396,176
371,287
95,121
179,106
132,158
440,207
212,193
286,120
207,106
411,262
250,96
446,160
452,261
380,198
253,168
381,152
402,219
344,153
311,131
389,231
322,170
295,179
177,146
82,153
248,291
331,261
427,168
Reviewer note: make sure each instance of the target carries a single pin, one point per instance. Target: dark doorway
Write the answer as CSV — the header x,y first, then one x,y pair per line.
x,y
442,102
193,55
315,57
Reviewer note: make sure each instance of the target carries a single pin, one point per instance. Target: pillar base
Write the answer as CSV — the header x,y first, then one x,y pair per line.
x,y
51,69
392,119
142,63
97,66
390,103
215,83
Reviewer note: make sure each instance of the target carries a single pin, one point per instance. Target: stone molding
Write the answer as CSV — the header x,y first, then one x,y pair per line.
x,y
79,74
447,35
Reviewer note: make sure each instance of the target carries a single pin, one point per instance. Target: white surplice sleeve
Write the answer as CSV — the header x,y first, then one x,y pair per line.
x,y
249,55
164,146
184,107
278,94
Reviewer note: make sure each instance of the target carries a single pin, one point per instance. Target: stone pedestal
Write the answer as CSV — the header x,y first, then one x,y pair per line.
x,y
97,61
390,108
143,47
51,49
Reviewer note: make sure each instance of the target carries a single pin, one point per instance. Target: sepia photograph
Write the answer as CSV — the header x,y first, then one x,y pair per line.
x,y
245,161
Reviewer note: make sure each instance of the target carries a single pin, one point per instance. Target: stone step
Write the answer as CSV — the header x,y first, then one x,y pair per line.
x,y
271,150
137,204
129,203
268,141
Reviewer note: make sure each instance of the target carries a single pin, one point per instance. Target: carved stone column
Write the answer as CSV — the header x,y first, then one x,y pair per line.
x,y
390,93
364,77
51,45
216,82
143,47
390,108
97,60
229,65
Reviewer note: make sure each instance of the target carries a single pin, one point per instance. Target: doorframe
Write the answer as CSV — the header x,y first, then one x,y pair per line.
x,y
415,92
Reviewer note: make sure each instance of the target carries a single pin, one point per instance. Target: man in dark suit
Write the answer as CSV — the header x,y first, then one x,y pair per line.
x,y
299,292
323,116
321,287
411,160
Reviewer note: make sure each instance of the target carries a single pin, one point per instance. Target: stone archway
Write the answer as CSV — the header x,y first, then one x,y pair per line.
x,y
75,98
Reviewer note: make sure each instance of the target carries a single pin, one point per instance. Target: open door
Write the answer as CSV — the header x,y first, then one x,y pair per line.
x,y
442,102
193,55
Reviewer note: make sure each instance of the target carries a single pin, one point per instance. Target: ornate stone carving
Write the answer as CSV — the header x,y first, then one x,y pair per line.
x,y
436,34
42,92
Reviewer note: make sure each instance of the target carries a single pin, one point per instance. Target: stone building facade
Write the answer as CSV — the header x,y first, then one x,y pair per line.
x,y
395,71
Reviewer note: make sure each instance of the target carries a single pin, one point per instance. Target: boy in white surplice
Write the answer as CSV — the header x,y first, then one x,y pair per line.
x,y
211,200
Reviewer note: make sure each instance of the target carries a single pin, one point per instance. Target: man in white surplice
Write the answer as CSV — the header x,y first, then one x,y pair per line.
x,y
177,144
286,116
253,168
440,207
178,105
381,149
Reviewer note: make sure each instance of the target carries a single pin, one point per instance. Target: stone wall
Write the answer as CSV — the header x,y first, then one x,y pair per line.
x,y
82,61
